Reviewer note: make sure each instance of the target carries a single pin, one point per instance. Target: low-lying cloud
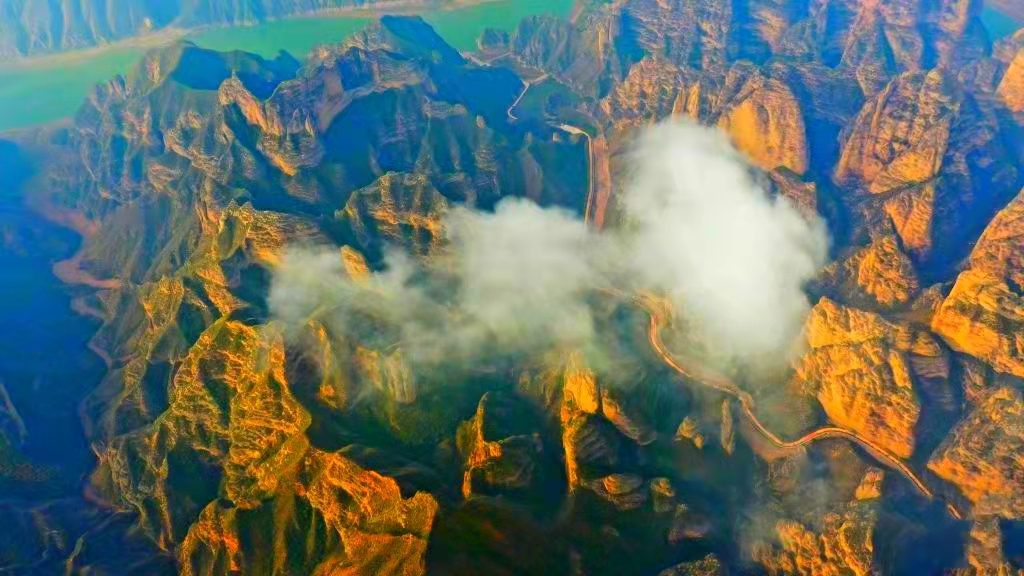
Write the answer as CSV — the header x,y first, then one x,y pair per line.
x,y
508,282
699,230
733,259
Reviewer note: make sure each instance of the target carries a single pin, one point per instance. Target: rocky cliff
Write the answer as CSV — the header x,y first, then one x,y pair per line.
x,y
34,27
226,440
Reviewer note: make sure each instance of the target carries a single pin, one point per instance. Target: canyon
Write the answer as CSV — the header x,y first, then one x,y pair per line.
x,y
217,437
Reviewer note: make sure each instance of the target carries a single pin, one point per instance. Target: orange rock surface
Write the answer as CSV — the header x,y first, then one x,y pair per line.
x,y
766,122
983,317
230,400
844,545
630,423
1000,249
1011,89
870,487
985,551
880,273
901,136
403,209
580,390
656,88
496,463
984,456
355,264
984,313
707,566
858,367
912,213
354,522
885,272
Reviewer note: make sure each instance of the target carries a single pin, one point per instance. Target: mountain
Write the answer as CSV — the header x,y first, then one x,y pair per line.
x,y
219,438
33,27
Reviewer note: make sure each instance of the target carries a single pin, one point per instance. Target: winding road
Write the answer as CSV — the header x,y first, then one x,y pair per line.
x,y
660,311
692,370
526,88
589,210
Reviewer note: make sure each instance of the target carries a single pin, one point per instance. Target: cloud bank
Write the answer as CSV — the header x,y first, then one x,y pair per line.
x,y
733,259
509,282
698,229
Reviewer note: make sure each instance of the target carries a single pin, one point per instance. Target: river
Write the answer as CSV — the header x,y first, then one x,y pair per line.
x,y
54,88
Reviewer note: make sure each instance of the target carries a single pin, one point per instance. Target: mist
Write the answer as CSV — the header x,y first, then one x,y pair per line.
x,y
510,282
733,260
698,229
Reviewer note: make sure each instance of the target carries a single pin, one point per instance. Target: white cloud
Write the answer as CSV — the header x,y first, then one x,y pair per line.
x,y
701,231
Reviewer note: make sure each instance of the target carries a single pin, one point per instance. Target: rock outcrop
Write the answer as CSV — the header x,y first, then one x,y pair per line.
x,y
398,209
624,491
935,155
984,313
707,566
901,136
32,30
983,317
981,457
859,368
354,521
879,274
655,89
842,542
496,458
1011,88
985,550
766,122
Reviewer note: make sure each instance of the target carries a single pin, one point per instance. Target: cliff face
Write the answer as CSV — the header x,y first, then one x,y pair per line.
x,y
901,136
860,370
1011,89
227,441
33,27
880,274
938,157
982,456
766,122
889,99
843,546
982,313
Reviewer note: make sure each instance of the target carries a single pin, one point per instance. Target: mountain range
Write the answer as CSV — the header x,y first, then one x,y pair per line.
x,y
34,27
218,439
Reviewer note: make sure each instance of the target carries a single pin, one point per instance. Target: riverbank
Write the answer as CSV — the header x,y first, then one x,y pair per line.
x,y
48,88
170,34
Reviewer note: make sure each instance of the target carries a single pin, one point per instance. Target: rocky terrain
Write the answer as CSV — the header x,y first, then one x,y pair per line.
x,y
34,27
225,441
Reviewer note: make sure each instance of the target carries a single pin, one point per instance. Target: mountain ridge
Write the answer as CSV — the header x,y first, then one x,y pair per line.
x,y
231,440
40,27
